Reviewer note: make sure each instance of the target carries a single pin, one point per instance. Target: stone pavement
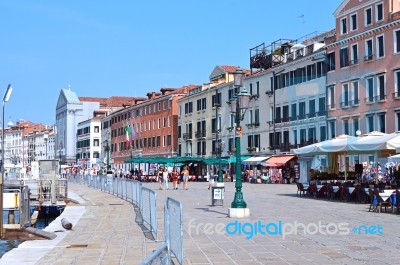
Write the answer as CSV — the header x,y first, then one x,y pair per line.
x,y
105,231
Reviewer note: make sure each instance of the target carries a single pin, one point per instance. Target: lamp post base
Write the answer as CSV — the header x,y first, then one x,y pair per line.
x,y
238,212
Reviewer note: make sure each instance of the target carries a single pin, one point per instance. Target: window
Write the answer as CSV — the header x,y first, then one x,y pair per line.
x,y
346,127
294,134
356,126
368,16
370,123
330,62
331,97
343,25
302,110
381,87
355,93
380,47
96,142
216,99
303,136
332,128
344,57
257,116
379,12
354,54
321,106
398,121
382,122
353,22
96,129
368,50
293,112
397,84
311,108
322,133
396,44
370,90
188,107
285,113
345,95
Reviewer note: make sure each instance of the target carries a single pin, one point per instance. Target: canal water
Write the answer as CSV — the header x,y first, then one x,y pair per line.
x,y
7,245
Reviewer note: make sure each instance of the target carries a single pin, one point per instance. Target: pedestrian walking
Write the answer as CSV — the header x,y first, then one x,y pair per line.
x,y
185,174
160,179
165,178
175,177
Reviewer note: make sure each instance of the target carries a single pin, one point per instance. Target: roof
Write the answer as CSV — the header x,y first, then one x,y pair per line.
x,y
278,161
114,101
70,96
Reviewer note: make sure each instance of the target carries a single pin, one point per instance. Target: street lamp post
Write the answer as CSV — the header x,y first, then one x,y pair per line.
x,y
107,150
239,107
6,97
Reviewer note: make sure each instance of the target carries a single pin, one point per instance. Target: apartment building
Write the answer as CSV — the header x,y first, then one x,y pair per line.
x,y
363,69
88,145
363,75
153,122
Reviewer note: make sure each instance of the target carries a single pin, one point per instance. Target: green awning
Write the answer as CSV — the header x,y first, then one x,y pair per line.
x,y
214,161
232,159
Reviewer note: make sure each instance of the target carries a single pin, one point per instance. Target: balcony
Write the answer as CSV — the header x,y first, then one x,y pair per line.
x,y
322,113
187,136
380,98
253,124
354,62
284,147
285,119
188,154
312,115
396,94
302,117
200,134
345,104
368,58
278,120
355,102
369,100
252,149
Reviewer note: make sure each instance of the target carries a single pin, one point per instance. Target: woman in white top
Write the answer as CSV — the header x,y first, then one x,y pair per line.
x,y
165,178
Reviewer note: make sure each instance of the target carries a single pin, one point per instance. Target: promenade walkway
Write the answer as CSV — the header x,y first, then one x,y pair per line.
x,y
107,226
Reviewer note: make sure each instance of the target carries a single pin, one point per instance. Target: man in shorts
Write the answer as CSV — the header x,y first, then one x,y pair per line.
x,y
185,173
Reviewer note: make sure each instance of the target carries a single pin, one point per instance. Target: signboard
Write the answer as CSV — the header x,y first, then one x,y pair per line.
x,y
218,194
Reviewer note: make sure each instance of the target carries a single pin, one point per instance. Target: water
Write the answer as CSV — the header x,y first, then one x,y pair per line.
x,y
7,245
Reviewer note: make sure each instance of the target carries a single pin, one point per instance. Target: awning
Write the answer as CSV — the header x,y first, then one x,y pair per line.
x,y
255,159
278,161
232,159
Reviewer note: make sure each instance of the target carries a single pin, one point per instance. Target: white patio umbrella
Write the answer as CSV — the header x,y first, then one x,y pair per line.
x,y
376,141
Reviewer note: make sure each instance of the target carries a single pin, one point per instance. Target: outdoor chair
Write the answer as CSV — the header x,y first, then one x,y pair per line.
x,y
312,190
380,202
361,196
301,189
330,192
343,192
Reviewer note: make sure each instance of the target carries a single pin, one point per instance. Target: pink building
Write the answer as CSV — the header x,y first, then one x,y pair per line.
x,y
364,68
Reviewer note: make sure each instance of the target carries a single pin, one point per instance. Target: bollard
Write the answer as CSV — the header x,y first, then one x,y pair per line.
x,y
66,224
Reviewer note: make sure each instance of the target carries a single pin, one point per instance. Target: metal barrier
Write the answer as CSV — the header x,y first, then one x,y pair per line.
x,y
173,223
148,208
159,256
146,200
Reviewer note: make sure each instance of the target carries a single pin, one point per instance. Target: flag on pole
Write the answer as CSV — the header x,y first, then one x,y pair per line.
x,y
128,134
132,131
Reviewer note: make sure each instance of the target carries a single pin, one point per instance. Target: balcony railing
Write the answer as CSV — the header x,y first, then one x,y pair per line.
x,y
368,57
187,136
355,102
345,104
370,99
380,98
200,134
311,115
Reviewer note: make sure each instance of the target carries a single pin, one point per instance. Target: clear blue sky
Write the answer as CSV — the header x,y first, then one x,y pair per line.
x,y
128,48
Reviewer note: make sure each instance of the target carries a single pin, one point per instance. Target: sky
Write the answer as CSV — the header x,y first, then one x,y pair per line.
x,y
129,48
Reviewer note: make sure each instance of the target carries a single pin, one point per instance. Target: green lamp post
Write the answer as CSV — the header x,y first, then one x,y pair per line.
x,y
239,105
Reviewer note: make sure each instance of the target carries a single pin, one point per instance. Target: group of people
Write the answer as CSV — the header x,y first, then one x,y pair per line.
x,y
164,177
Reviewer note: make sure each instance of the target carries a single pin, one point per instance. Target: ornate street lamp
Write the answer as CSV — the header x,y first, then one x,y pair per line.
x,y
239,105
